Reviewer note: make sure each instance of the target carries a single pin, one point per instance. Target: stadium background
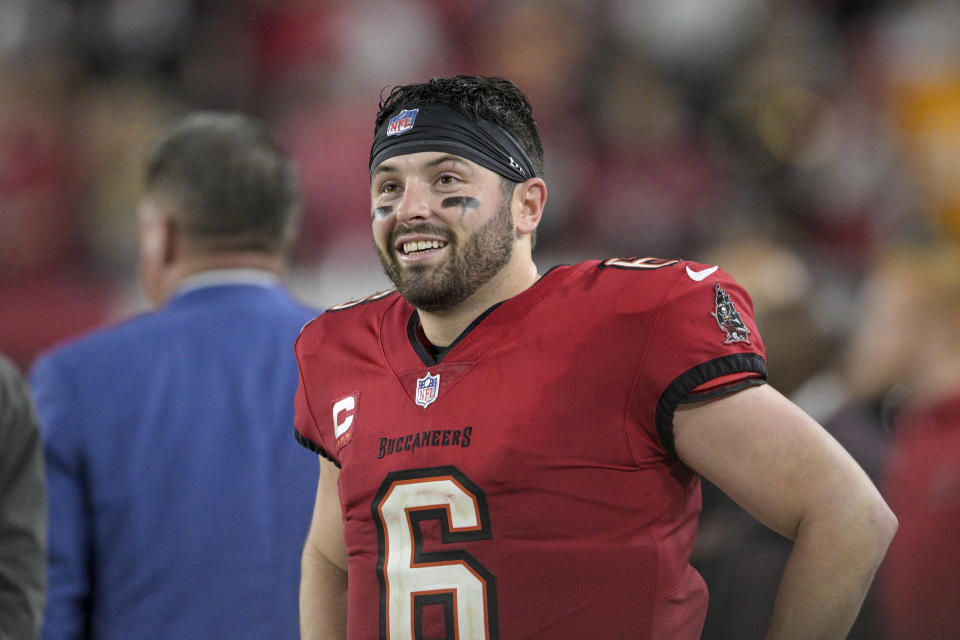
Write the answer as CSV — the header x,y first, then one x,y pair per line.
x,y
671,128
790,141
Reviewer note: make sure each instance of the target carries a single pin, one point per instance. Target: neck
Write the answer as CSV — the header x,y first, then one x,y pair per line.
x,y
443,327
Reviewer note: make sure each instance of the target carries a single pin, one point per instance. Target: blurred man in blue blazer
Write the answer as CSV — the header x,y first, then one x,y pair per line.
x,y
179,499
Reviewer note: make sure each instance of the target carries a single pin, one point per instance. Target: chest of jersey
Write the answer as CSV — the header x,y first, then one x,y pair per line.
x,y
520,487
504,480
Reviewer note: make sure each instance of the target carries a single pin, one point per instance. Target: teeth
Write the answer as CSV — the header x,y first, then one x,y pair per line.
x,y
422,245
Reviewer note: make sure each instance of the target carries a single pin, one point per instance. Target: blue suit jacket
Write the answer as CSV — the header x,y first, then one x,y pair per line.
x,y
179,499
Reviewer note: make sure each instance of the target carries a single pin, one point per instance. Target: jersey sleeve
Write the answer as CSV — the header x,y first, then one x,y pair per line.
x,y
704,343
308,432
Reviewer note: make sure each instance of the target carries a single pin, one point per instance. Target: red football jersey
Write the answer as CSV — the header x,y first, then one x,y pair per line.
x,y
523,483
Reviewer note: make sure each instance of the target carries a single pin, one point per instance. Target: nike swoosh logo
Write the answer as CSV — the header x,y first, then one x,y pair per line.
x,y
697,276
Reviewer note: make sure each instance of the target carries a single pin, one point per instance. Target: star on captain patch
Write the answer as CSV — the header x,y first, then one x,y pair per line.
x,y
428,388
728,318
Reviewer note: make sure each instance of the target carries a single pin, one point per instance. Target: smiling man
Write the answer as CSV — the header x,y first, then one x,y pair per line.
x,y
510,454
432,268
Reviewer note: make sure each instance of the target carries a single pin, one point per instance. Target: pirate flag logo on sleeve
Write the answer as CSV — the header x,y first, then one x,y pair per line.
x,y
728,319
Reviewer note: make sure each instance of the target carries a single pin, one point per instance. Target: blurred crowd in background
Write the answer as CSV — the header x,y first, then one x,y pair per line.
x,y
793,142
670,127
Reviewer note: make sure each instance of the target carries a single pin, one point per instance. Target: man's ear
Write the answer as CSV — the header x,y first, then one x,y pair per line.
x,y
532,198
160,242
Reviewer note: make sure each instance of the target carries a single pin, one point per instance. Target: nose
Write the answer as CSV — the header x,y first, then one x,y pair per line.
x,y
414,206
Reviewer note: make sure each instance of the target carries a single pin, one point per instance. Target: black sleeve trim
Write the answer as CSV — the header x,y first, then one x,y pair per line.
x,y
679,390
313,446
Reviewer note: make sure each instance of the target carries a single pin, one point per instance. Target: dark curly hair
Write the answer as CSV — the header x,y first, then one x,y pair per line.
x,y
477,97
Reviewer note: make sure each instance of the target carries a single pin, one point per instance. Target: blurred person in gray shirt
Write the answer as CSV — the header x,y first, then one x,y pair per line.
x,y
23,510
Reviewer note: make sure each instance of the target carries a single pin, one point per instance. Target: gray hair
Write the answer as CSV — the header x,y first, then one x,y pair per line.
x,y
235,189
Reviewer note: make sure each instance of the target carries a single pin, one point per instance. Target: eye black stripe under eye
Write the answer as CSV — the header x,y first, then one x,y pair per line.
x,y
464,202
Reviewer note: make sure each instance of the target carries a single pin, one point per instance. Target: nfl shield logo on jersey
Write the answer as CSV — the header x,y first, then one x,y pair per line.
x,y
428,388
401,122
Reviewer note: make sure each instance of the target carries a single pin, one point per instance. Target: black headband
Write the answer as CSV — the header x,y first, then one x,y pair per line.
x,y
436,127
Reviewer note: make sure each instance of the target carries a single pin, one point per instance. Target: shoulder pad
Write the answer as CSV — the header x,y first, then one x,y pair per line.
x,y
355,303
638,263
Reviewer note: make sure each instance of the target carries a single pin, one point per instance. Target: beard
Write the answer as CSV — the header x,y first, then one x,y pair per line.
x,y
439,287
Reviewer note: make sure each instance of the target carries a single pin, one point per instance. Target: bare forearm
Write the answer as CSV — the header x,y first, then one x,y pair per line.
x,y
323,598
776,462
828,575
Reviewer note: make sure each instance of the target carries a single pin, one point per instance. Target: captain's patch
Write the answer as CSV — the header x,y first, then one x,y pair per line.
x,y
344,412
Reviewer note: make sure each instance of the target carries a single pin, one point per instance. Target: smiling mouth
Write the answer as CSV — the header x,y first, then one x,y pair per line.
x,y
421,246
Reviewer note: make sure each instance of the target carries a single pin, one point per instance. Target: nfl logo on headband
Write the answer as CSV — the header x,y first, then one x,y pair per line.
x,y
401,122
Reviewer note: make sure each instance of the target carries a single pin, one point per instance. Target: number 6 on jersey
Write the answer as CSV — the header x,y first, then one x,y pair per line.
x,y
412,579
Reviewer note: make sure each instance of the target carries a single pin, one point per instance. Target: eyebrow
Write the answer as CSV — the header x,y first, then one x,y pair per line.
x,y
383,168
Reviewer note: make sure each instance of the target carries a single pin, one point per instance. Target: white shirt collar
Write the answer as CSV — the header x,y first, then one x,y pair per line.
x,y
219,277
